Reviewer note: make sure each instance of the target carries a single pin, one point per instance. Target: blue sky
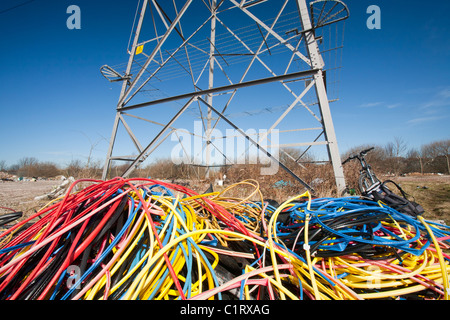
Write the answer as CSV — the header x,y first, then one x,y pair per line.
x,y
55,105
395,80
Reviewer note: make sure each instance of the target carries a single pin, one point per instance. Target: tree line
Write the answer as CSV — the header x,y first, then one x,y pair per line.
x,y
392,158
397,158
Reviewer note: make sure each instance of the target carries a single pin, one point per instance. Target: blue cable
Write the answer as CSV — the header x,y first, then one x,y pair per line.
x,y
324,209
18,246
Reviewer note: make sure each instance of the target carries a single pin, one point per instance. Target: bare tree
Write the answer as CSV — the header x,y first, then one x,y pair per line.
x,y
32,167
28,167
400,146
395,151
3,165
413,155
439,149
74,168
28,161
396,148
444,150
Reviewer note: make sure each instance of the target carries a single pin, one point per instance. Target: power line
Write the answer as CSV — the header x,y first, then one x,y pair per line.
x,y
16,6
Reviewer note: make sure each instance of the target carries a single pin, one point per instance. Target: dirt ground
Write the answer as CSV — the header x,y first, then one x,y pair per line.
x,y
431,192
19,195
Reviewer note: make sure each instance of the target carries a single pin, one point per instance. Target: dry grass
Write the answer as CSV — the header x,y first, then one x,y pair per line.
x,y
431,192
282,185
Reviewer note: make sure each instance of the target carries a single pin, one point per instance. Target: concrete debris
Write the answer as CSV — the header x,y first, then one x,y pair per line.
x,y
57,191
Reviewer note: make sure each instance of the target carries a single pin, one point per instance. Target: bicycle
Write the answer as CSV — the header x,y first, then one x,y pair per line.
x,y
372,188
367,180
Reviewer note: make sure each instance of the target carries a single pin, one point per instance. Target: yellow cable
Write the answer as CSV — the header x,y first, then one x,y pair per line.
x,y
440,256
308,258
272,229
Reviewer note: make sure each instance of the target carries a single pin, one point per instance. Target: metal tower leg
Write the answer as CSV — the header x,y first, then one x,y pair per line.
x,y
327,122
127,87
210,86
122,92
111,146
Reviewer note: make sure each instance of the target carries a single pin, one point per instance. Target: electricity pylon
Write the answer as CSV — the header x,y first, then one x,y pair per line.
x,y
276,42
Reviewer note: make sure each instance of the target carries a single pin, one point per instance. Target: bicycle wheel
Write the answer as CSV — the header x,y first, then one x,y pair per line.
x,y
365,182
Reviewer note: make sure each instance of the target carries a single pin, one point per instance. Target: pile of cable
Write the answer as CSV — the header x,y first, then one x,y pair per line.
x,y
142,239
369,247
119,239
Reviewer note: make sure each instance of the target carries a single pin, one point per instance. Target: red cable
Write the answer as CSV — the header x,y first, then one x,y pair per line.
x,y
43,237
37,270
73,255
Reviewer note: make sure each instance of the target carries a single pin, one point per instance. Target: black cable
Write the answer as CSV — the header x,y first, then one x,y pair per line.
x,y
36,286
9,217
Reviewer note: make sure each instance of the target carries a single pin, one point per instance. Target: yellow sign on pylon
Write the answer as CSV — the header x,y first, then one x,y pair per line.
x,y
139,49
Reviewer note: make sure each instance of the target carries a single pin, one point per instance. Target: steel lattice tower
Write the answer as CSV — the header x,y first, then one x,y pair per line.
x,y
213,50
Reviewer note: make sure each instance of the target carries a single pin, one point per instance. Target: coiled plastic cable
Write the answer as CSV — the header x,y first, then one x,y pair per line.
x,y
130,239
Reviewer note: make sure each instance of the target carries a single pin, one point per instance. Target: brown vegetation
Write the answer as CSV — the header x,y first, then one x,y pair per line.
x,y
392,161
394,158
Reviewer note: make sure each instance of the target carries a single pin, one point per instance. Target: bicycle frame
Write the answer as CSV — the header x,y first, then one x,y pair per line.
x,y
367,178
367,168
